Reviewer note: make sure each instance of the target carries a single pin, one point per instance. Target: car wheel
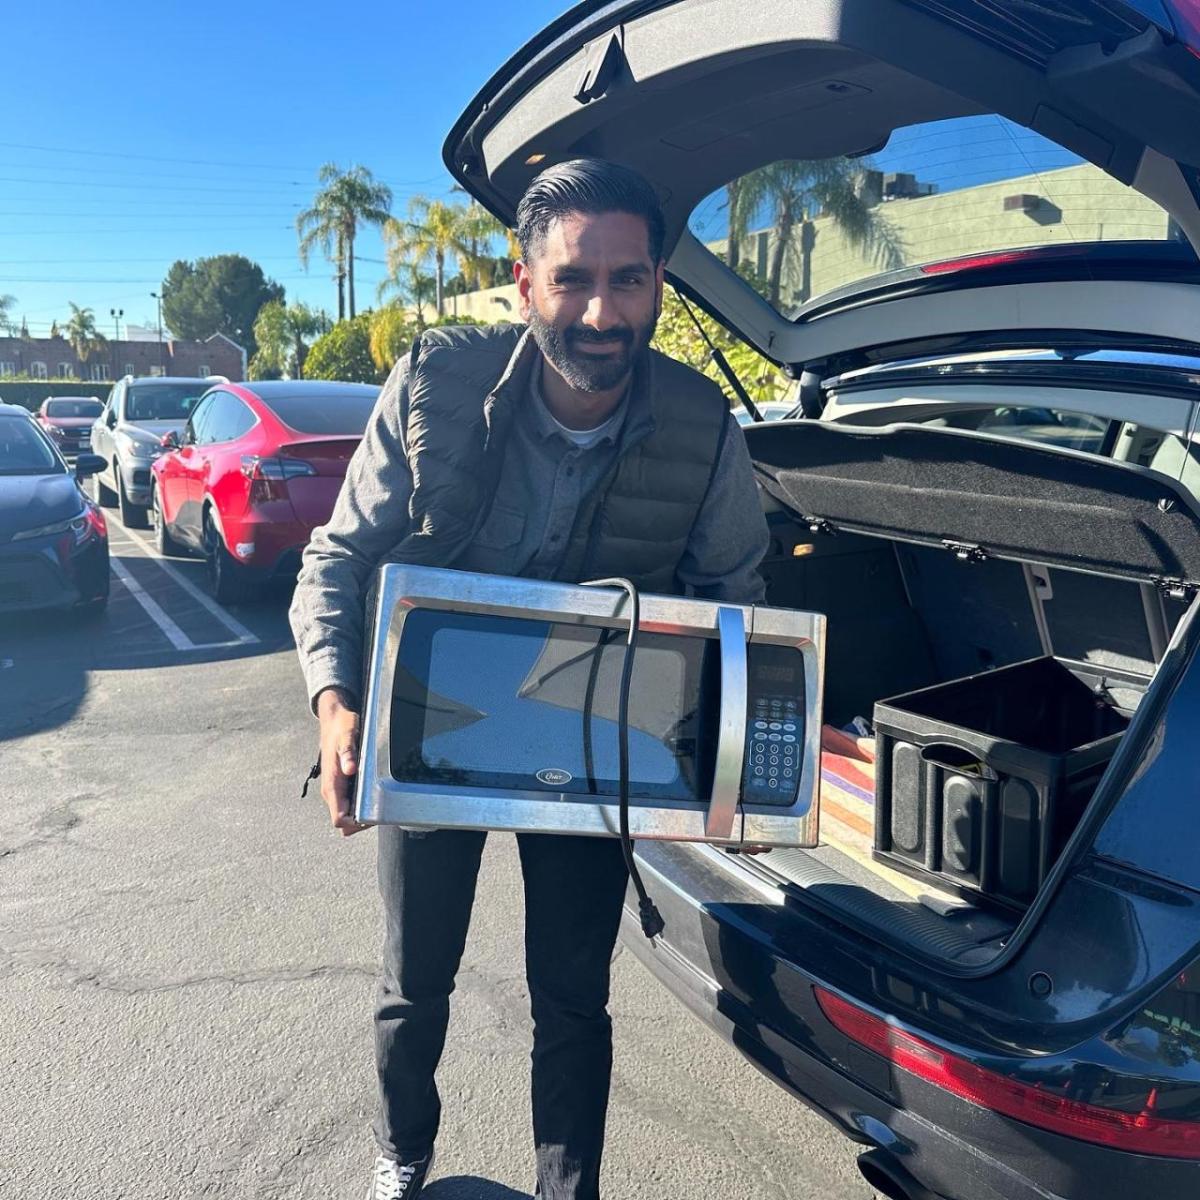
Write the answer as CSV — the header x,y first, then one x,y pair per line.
x,y
102,493
133,516
227,578
163,541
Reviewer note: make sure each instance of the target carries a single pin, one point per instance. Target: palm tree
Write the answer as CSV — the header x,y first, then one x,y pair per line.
x,y
797,191
6,321
304,324
81,332
280,333
345,201
391,335
411,286
434,230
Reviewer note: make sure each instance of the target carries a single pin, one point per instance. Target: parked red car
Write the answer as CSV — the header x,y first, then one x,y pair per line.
x,y
257,467
68,420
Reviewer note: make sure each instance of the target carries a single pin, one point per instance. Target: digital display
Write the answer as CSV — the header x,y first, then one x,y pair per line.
x,y
773,673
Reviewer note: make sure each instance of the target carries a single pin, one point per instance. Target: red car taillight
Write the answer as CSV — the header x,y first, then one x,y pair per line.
x,y
268,476
1140,1133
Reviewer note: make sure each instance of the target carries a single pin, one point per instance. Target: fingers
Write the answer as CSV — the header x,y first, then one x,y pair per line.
x,y
339,763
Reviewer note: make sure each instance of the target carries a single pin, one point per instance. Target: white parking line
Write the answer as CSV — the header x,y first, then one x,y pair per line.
x,y
240,632
175,635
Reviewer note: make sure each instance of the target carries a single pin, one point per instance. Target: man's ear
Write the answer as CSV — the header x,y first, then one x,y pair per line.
x,y
524,279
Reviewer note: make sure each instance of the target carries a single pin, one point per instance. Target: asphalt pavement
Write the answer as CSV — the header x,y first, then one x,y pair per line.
x,y
187,952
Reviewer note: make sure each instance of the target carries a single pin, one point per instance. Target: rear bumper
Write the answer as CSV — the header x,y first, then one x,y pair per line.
x,y
767,1010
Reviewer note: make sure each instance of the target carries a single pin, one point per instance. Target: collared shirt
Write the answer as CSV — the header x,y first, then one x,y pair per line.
x,y
544,481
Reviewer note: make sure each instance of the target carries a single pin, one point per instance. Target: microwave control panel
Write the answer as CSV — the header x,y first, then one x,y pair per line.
x,y
775,718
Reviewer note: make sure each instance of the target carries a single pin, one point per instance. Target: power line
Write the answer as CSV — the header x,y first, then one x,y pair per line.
x,y
195,162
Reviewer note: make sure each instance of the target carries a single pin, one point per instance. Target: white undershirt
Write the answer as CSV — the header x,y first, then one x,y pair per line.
x,y
585,439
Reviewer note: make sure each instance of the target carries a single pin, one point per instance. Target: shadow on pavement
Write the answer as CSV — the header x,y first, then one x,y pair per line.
x,y
46,658
471,1187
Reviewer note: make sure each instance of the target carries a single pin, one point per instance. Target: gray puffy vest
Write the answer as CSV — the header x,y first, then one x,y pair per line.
x,y
464,388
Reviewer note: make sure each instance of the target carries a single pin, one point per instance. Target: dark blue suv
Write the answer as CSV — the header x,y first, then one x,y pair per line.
x,y
962,231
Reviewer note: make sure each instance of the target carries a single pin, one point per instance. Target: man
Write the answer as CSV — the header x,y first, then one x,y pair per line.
x,y
568,450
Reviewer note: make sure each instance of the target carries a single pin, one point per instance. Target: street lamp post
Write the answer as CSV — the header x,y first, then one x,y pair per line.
x,y
162,369
116,314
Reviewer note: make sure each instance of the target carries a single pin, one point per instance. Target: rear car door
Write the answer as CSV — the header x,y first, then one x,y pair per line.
x,y
219,476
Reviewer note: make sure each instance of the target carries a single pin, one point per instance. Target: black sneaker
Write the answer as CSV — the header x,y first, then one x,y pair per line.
x,y
393,1180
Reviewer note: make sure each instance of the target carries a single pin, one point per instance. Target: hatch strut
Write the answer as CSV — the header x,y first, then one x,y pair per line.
x,y
722,365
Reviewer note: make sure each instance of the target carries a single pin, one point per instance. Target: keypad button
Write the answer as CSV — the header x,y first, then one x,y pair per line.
x,y
790,738
760,725
776,725
774,737
789,727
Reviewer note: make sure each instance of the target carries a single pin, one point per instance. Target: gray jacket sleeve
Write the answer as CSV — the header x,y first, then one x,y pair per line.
x,y
729,538
371,516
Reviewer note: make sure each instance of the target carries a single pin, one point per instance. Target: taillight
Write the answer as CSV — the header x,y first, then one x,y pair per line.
x,y
1140,1132
268,476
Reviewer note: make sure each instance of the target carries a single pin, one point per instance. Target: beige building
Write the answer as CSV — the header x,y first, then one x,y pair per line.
x,y
1074,204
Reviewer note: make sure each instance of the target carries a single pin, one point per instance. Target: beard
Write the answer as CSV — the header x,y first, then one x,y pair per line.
x,y
590,372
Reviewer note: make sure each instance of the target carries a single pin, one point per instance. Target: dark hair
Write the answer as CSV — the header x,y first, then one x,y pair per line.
x,y
587,185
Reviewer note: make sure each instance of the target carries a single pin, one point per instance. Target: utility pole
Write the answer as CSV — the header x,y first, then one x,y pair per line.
x,y
162,368
116,314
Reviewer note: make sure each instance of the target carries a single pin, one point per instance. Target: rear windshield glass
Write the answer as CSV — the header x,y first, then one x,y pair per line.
x,y
24,450
324,412
73,408
797,230
163,401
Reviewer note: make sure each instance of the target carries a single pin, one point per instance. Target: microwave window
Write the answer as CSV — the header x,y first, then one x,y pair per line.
x,y
515,703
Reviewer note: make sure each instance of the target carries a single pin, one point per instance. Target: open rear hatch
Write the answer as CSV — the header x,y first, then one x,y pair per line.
x,y
696,94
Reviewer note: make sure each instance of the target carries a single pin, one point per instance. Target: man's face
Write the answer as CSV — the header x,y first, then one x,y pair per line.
x,y
591,296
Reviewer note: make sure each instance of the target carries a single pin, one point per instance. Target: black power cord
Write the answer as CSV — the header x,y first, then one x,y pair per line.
x,y
652,922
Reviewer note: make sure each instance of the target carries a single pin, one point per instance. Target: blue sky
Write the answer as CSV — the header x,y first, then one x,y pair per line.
x,y
139,133
143,133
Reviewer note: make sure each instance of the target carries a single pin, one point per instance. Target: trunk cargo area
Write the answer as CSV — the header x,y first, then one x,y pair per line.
x,y
961,574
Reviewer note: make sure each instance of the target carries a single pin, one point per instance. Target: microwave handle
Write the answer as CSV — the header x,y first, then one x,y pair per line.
x,y
731,736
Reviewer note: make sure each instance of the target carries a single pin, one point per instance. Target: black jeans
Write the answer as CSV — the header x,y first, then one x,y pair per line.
x,y
574,888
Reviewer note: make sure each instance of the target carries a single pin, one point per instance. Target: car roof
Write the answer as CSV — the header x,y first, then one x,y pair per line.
x,y
269,389
152,380
13,410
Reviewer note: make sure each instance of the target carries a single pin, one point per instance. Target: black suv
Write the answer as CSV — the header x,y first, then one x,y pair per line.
x,y
962,229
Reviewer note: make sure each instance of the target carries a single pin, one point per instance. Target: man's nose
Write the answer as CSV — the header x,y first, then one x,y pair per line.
x,y
601,314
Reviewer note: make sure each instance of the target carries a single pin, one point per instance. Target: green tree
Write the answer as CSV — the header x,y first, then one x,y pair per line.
x,y
344,353
677,336
345,201
796,192
222,294
411,286
80,330
434,232
283,333
391,336
6,320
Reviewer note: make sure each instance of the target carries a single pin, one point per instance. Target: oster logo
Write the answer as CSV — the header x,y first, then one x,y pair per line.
x,y
554,777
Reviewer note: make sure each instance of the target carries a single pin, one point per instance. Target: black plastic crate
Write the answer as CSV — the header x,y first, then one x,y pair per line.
x,y
980,782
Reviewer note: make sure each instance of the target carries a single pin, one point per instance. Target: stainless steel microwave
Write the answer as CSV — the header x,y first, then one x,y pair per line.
x,y
491,703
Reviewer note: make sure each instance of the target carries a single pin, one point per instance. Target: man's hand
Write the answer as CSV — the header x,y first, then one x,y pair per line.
x,y
339,758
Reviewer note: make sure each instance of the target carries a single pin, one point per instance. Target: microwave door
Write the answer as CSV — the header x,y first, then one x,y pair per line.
x,y
492,703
